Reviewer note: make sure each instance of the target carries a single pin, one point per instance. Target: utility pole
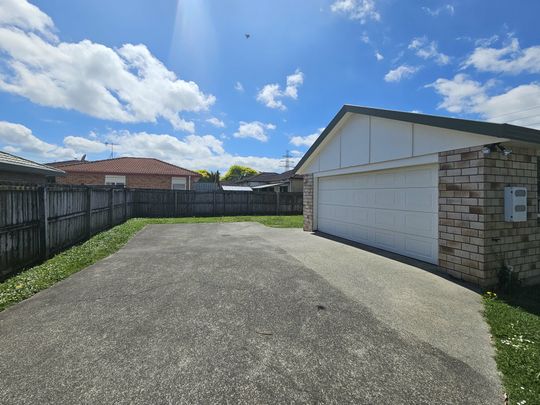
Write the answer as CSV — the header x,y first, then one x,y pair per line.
x,y
286,162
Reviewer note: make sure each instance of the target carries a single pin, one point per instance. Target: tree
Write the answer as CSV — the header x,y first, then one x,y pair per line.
x,y
208,176
205,174
237,172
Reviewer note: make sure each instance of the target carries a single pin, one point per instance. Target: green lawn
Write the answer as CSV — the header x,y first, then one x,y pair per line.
x,y
515,326
29,282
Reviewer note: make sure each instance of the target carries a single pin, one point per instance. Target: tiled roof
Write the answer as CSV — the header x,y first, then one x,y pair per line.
x,y
66,163
128,165
15,163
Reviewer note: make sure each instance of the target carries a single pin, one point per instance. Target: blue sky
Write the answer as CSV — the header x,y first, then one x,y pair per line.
x,y
178,80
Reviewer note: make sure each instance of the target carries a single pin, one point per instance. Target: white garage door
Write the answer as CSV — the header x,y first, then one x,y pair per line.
x,y
395,210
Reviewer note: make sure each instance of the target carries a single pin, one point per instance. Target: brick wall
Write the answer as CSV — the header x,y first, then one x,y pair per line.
x,y
474,240
82,178
133,181
308,202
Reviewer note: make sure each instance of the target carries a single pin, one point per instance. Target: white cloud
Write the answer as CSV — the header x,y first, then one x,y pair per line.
x,y
239,87
296,153
460,94
26,16
192,151
216,122
127,84
379,56
428,50
401,72
254,129
509,59
365,38
484,42
84,145
271,95
362,10
18,139
307,140
447,8
464,95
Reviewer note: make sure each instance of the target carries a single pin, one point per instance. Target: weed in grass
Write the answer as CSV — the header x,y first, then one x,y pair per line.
x,y
515,326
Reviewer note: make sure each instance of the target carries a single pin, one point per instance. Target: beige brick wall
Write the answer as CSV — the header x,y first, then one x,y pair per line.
x,y
308,202
474,240
133,181
82,178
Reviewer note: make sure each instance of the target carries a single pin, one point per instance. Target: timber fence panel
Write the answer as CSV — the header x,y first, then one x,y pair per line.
x,y
39,221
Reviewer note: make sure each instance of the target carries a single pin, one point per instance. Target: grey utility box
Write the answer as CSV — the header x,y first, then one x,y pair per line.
x,y
515,204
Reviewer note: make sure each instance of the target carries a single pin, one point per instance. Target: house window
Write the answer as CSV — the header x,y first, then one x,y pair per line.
x,y
179,183
283,189
111,180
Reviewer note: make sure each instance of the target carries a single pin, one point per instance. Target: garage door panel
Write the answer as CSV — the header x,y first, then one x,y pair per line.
x,y
360,215
421,178
396,210
421,199
420,224
387,198
418,199
421,248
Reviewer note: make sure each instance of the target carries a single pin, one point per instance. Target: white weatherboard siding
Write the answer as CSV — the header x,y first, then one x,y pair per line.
x,y
360,141
395,210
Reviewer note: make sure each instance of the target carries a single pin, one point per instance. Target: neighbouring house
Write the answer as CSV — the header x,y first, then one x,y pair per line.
x,y
19,170
457,193
133,172
278,182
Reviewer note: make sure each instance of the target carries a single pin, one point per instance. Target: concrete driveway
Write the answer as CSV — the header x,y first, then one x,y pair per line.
x,y
242,313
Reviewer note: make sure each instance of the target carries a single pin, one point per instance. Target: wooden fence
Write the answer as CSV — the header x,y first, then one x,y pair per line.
x,y
39,221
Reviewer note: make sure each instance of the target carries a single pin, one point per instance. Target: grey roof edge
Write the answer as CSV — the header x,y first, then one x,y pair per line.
x,y
23,165
496,130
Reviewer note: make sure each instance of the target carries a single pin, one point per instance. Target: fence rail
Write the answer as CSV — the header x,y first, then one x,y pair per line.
x,y
39,221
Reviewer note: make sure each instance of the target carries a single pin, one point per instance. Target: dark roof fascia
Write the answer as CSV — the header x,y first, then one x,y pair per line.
x,y
31,170
507,131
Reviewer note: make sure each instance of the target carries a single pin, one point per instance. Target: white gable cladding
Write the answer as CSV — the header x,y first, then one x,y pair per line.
x,y
363,140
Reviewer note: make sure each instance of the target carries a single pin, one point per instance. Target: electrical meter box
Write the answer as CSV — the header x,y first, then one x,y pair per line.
x,y
515,204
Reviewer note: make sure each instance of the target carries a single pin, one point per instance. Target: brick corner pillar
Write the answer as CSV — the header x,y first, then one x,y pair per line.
x,y
308,202
475,242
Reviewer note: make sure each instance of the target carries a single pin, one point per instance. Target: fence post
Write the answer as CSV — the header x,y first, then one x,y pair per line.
x,y
111,207
43,203
277,203
223,193
175,210
125,205
88,216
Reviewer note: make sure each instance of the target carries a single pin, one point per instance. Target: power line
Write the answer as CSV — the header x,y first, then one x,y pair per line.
x,y
531,124
515,112
523,118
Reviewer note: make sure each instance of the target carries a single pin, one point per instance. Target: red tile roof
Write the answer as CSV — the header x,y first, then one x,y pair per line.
x,y
128,165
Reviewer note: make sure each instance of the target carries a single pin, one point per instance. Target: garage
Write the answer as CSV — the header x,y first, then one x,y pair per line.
x,y
395,210
419,185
